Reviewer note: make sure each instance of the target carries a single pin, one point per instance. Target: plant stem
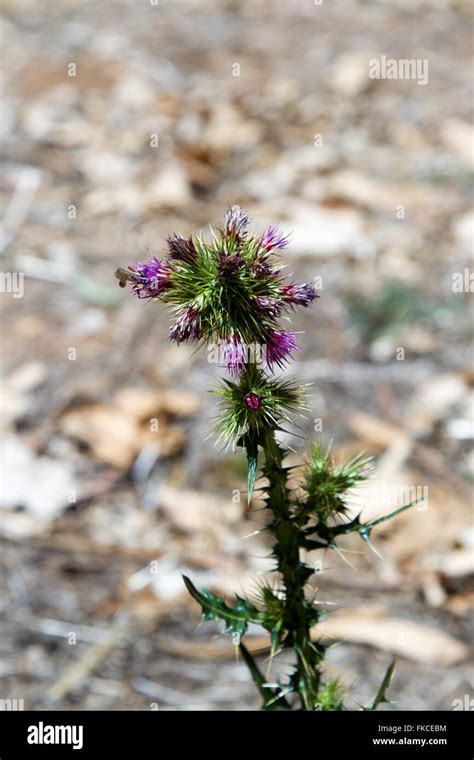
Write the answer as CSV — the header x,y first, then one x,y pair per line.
x,y
299,614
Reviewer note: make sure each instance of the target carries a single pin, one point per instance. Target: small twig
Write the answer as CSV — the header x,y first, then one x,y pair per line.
x,y
77,672
74,544
62,629
156,691
19,206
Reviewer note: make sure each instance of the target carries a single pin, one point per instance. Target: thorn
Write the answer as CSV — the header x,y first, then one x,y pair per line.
x,y
340,553
365,536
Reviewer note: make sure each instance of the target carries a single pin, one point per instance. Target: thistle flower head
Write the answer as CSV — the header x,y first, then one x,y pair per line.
x,y
297,294
253,400
180,248
152,279
230,264
268,306
187,326
255,404
273,238
230,290
279,347
234,355
235,221
327,484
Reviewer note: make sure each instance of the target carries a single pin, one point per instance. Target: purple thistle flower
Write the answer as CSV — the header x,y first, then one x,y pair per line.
x,y
253,401
234,355
262,269
187,326
299,294
180,248
236,221
230,264
246,302
279,347
273,238
268,306
152,278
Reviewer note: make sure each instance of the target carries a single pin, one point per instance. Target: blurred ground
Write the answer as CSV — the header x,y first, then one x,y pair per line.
x,y
122,122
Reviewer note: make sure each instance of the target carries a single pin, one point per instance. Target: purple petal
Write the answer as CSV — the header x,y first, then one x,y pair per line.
x,y
236,221
299,294
152,278
180,248
253,401
279,347
187,326
273,238
234,355
230,264
268,307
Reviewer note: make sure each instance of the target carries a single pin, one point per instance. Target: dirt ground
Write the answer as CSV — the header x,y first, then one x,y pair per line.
x,y
122,122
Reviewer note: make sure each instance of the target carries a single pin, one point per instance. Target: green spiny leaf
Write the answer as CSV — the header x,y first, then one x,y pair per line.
x,y
214,608
370,525
272,699
329,533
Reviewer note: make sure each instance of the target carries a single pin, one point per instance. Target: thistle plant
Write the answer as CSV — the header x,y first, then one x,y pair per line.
x,y
231,292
